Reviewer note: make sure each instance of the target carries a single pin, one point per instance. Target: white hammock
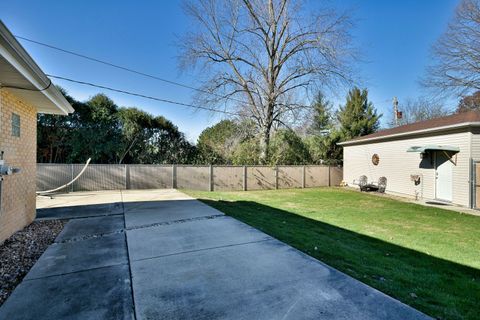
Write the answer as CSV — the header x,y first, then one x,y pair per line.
x,y
67,184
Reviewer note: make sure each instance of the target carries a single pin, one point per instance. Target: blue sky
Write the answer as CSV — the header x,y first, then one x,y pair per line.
x,y
395,38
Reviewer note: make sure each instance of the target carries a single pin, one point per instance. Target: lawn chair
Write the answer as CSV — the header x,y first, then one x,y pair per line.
x,y
363,183
379,186
382,184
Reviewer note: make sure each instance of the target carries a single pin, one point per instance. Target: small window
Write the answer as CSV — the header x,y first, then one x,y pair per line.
x,y
15,125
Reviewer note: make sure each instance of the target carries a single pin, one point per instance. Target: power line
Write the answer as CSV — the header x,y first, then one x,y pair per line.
x,y
127,69
143,96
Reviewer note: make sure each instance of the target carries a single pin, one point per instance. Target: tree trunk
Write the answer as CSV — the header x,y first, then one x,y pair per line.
x,y
51,153
264,145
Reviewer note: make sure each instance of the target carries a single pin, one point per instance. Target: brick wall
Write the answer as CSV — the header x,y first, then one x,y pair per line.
x,y
18,190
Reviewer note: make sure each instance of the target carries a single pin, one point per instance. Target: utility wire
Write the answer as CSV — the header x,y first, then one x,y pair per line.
x,y
127,69
143,96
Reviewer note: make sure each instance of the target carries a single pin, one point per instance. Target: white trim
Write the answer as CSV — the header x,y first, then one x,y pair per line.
x,y
409,133
434,155
13,52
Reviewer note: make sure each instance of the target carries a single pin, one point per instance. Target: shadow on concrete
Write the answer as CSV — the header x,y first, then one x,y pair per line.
x,y
80,211
438,203
440,288
115,209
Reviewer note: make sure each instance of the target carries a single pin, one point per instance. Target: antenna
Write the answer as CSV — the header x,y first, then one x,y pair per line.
x,y
397,115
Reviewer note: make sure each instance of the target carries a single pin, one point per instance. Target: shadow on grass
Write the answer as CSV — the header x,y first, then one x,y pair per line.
x,y
437,287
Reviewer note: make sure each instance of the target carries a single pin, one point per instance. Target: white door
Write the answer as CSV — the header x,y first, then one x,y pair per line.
x,y
444,173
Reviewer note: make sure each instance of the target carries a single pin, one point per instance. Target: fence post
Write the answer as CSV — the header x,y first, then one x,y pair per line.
x,y
127,177
244,178
174,176
71,171
303,176
276,177
316,176
329,181
210,188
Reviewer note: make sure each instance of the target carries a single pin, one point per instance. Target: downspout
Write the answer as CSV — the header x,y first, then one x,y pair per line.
x,y
421,186
472,173
471,184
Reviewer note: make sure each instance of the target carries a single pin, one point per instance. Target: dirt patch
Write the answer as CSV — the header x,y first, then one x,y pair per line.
x,y
20,252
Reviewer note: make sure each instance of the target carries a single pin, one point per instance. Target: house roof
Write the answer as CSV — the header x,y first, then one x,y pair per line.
x,y
21,75
458,120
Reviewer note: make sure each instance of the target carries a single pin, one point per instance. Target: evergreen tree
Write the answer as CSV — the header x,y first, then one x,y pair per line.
x,y
358,117
322,118
108,134
97,133
217,143
325,149
247,152
288,148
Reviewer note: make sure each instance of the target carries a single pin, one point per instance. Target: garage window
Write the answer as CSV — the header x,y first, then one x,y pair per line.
x,y
15,125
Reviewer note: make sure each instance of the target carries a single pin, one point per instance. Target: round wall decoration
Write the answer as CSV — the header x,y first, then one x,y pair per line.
x,y
375,159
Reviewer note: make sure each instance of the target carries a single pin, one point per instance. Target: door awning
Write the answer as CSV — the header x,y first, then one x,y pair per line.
x,y
434,147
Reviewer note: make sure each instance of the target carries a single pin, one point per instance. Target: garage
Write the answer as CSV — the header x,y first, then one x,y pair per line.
x,y
433,160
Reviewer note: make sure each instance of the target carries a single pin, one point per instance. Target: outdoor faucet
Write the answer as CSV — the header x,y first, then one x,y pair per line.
x,y
6,170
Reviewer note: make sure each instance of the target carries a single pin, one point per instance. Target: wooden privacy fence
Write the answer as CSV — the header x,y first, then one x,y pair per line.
x,y
213,178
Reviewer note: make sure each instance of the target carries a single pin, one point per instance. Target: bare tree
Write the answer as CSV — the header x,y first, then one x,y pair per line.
x,y
457,53
420,109
257,56
469,103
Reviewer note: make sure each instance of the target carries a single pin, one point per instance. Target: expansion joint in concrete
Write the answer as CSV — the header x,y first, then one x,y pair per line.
x,y
205,249
176,222
91,236
74,272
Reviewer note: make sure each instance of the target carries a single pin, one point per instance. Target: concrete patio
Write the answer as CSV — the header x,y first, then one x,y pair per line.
x,y
160,254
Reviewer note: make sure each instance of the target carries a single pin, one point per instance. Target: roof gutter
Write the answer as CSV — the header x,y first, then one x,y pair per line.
x,y
15,54
411,133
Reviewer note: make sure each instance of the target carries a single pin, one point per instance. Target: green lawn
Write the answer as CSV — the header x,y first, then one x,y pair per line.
x,y
426,257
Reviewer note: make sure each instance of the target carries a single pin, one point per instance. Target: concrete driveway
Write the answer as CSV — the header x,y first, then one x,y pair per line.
x,y
160,254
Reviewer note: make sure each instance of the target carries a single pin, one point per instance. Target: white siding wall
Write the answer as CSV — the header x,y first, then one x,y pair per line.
x,y
475,149
397,165
475,154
